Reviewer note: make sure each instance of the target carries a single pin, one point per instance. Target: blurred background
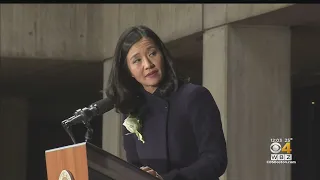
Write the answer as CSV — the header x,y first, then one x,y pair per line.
x,y
260,62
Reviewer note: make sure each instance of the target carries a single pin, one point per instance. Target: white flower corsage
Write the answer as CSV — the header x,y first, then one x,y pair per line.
x,y
133,126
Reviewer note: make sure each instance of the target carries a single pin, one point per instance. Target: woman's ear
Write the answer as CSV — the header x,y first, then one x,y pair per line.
x,y
131,74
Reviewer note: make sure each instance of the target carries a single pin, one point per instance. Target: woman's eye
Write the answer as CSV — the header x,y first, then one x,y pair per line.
x,y
136,60
153,53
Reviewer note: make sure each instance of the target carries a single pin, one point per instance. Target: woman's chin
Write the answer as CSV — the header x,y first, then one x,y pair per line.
x,y
153,82
151,85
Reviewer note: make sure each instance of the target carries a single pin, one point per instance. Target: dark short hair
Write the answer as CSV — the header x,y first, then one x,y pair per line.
x,y
122,88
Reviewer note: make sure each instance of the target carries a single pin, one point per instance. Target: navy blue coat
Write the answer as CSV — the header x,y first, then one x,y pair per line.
x,y
183,136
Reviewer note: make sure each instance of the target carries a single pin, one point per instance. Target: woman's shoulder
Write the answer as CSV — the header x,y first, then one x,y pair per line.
x,y
192,95
190,90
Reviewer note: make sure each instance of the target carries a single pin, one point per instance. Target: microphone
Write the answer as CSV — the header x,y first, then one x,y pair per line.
x,y
85,114
102,106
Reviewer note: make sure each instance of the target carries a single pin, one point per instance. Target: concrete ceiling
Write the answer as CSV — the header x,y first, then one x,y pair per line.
x,y
297,15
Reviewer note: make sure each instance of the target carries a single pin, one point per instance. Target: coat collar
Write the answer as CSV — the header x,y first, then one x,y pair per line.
x,y
148,94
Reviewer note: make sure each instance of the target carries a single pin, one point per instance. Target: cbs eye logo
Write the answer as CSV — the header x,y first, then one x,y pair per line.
x,y
276,148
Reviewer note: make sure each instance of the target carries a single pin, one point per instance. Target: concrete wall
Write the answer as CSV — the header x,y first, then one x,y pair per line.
x,y
47,31
86,32
90,32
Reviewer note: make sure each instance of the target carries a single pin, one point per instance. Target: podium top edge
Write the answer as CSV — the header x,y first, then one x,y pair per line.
x,y
65,147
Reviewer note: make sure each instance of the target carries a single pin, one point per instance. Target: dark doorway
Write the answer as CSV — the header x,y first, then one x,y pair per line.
x,y
305,121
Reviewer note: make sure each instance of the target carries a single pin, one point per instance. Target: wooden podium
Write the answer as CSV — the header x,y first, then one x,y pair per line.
x,y
85,161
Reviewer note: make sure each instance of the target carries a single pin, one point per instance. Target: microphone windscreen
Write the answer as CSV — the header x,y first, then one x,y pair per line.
x,y
103,105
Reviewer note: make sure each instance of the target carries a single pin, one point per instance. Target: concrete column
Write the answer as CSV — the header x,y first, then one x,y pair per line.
x,y
215,70
13,134
111,132
247,69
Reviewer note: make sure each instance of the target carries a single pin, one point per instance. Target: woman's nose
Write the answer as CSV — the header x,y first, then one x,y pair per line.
x,y
148,64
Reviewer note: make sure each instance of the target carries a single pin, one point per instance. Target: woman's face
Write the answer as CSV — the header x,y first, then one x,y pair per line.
x,y
145,61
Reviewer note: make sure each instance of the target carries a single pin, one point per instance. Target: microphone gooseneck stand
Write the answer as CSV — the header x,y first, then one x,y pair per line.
x,y
80,116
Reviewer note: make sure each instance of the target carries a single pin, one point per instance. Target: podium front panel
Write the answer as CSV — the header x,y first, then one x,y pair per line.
x,y
85,161
72,158
115,168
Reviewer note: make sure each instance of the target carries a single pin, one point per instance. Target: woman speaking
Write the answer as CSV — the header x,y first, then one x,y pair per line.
x,y
172,128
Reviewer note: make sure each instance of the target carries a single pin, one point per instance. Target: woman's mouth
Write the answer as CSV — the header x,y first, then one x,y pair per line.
x,y
152,73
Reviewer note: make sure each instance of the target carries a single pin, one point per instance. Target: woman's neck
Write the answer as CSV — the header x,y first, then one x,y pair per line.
x,y
150,89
